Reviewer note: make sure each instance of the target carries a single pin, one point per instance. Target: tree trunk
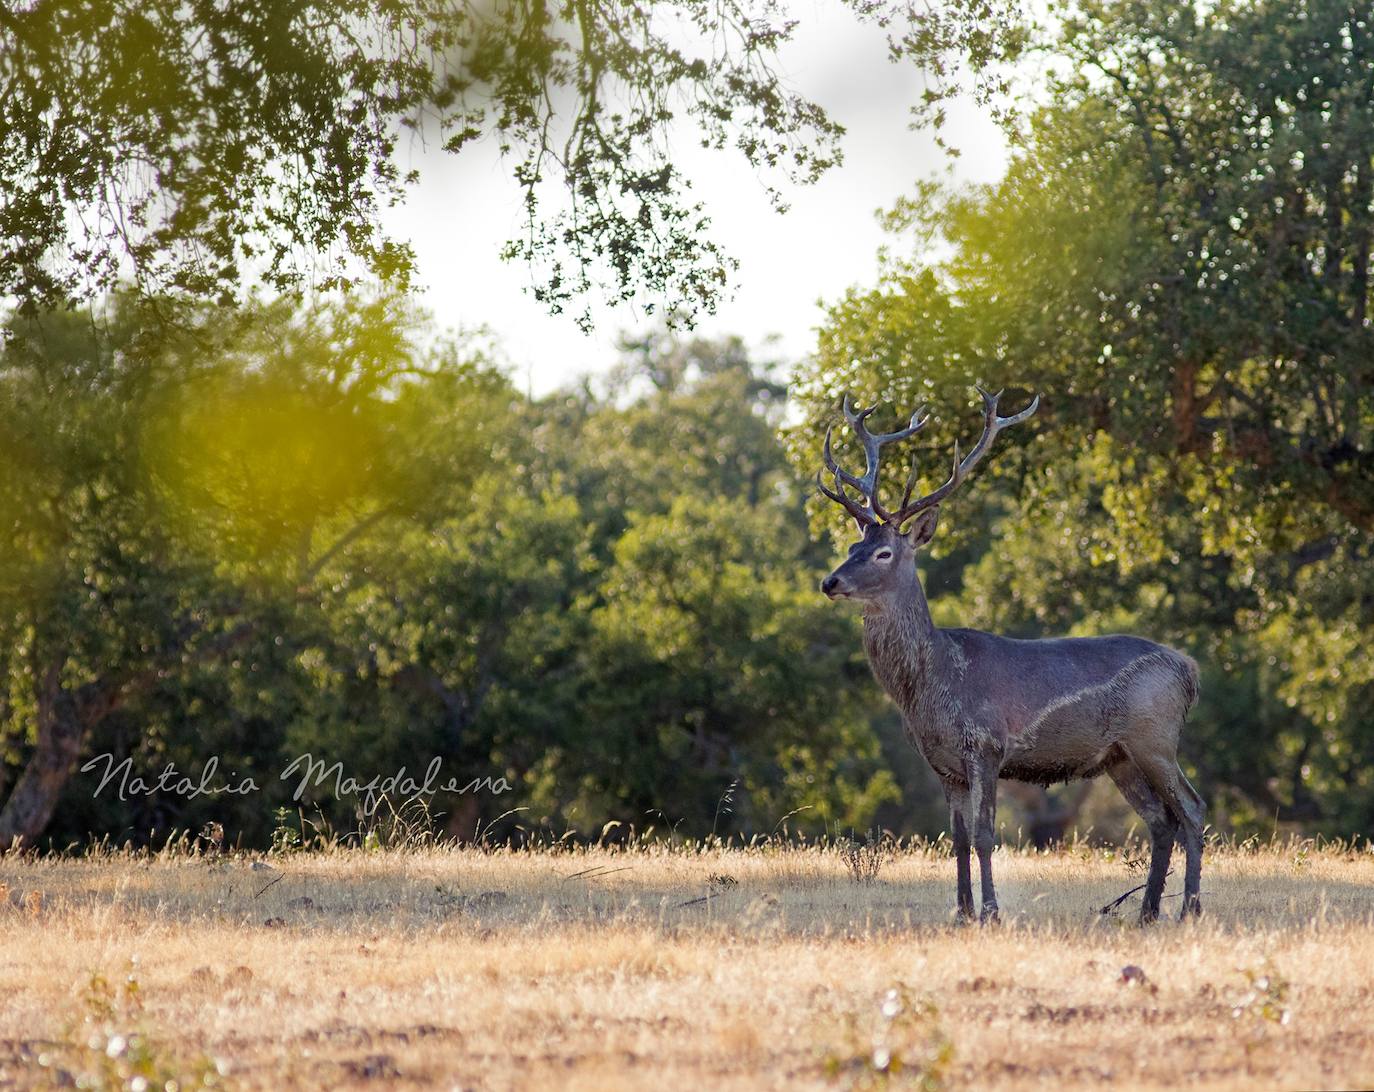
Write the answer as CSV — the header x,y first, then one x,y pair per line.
x,y
1185,406
58,747
63,721
1049,818
66,718
463,820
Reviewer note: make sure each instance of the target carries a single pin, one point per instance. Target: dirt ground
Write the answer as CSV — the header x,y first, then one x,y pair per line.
x,y
770,967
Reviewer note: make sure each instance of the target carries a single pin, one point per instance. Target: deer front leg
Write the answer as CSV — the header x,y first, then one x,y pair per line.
x,y
983,808
957,796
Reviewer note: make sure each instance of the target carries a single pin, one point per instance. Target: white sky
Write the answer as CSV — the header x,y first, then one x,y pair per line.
x,y
466,206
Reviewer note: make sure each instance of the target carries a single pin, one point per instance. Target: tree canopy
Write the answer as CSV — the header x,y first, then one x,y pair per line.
x,y
306,526
200,149
330,538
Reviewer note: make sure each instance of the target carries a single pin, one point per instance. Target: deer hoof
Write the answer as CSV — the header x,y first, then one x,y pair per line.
x,y
963,917
1192,908
989,916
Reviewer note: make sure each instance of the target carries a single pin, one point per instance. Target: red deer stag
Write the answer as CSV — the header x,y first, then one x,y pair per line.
x,y
982,707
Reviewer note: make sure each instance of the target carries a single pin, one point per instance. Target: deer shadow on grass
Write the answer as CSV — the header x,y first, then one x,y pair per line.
x,y
815,897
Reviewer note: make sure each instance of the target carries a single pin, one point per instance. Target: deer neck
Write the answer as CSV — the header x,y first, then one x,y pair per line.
x,y
905,650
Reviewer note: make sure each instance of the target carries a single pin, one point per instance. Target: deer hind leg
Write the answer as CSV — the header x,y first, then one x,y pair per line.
x,y
1187,808
1191,803
1163,827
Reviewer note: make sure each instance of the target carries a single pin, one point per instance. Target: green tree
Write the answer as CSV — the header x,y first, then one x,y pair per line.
x,y
1177,259
705,657
620,619
713,661
169,511
199,148
324,539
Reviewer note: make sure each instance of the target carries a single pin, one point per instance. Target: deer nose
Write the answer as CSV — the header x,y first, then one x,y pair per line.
x,y
830,583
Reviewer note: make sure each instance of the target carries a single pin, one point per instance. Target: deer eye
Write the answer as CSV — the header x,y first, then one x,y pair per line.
x,y
883,555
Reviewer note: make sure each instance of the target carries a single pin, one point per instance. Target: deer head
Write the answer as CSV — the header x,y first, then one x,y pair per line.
x,y
881,562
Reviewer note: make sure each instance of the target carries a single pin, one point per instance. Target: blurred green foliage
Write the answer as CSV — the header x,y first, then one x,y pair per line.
x,y
301,531
257,531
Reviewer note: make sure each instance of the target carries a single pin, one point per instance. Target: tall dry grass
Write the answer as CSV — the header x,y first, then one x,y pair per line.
x,y
772,967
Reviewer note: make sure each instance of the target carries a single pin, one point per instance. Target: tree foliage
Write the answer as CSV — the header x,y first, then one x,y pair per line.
x,y
201,148
157,523
329,538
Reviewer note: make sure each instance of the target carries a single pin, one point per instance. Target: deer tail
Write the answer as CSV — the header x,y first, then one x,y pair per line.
x,y
1187,670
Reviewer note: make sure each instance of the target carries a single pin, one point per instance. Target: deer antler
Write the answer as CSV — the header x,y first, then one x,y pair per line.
x,y
992,425
871,511
862,516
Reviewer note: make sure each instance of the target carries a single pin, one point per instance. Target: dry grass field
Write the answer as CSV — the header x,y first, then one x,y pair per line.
x,y
660,968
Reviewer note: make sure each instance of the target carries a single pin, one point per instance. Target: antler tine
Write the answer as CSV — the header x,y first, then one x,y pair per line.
x,y
862,516
910,485
916,424
1024,415
856,418
911,475
853,416
956,476
992,425
833,465
872,445
871,510
843,478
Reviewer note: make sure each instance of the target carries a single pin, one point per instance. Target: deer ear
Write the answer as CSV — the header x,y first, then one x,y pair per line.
x,y
922,528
